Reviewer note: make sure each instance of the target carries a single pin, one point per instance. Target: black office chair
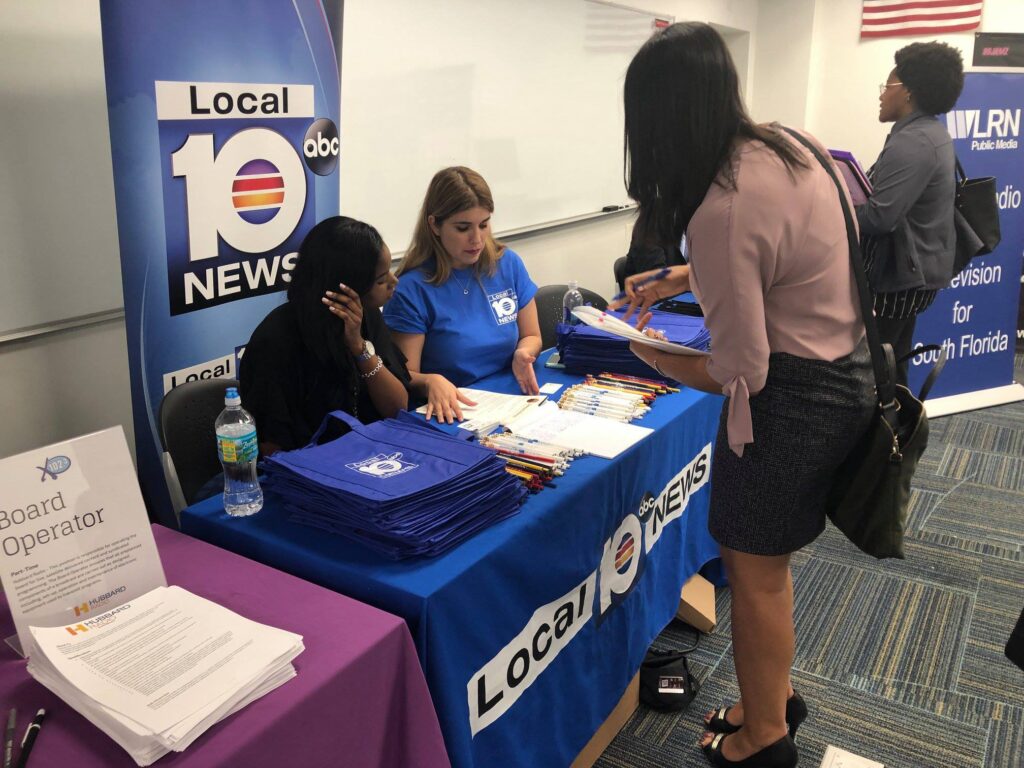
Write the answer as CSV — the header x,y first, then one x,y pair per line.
x,y
189,439
621,271
549,309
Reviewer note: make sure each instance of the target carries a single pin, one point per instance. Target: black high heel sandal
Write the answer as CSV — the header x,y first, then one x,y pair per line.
x,y
780,754
796,713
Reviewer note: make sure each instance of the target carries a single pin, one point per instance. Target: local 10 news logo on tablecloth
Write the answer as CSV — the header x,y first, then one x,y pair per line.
x,y
494,688
237,201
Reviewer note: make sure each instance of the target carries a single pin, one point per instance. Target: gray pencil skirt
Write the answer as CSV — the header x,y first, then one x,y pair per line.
x,y
807,418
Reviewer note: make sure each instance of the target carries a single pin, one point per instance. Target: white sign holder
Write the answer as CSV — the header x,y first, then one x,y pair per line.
x,y
75,538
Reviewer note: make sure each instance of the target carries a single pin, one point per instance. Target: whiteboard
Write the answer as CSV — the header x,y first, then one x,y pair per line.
x,y
528,93
58,250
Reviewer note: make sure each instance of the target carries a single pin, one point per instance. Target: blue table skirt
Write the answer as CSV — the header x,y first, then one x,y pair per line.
x,y
530,631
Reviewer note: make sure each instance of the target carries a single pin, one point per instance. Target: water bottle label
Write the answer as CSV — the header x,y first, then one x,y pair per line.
x,y
237,450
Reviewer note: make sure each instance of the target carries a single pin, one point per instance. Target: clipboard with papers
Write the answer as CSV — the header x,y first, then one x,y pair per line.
x,y
604,321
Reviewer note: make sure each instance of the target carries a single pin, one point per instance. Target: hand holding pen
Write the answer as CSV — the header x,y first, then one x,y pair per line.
x,y
646,288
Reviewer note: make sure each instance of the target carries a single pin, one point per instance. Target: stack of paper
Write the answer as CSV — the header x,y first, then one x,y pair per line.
x,y
602,343
590,434
156,672
492,409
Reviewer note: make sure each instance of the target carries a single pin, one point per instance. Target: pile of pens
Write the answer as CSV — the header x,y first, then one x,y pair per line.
x,y
614,396
534,462
27,741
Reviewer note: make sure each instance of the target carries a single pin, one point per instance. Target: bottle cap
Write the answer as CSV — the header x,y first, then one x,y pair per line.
x,y
574,285
231,397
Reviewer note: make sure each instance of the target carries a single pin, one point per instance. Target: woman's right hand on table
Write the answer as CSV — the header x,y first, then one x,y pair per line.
x,y
443,399
640,295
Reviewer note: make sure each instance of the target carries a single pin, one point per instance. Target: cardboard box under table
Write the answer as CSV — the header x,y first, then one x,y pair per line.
x,y
530,632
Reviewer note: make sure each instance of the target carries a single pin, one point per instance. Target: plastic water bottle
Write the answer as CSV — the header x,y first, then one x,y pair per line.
x,y
238,449
572,299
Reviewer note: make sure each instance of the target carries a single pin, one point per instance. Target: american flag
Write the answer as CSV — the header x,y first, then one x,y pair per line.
x,y
890,18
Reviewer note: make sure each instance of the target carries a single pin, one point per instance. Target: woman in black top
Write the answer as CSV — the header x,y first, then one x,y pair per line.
x,y
327,348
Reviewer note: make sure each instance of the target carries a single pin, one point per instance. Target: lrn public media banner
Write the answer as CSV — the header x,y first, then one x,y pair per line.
x,y
975,319
224,136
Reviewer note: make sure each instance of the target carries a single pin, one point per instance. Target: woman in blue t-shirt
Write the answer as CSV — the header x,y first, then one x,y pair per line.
x,y
464,307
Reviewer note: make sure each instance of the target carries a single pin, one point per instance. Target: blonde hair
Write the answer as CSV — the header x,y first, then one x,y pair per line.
x,y
451,191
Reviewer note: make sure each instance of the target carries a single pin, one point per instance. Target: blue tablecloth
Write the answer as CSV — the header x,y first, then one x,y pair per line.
x,y
529,632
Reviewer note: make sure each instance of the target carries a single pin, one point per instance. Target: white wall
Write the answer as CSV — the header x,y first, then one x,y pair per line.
x,y
69,383
805,65
57,200
783,53
843,104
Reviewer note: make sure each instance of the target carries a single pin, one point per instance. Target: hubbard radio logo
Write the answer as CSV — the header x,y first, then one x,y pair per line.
x,y
238,167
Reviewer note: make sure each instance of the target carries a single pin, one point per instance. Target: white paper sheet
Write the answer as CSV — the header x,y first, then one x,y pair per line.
x,y
492,408
593,434
164,663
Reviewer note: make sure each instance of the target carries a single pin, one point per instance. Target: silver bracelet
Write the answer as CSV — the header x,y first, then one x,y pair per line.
x,y
658,369
377,367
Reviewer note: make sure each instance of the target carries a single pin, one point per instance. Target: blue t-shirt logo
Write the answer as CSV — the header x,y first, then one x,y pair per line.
x,y
504,305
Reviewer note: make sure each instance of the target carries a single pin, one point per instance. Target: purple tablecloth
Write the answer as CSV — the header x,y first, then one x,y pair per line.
x,y
359,698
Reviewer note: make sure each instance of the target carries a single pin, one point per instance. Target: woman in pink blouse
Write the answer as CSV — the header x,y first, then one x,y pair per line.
x,y
770,266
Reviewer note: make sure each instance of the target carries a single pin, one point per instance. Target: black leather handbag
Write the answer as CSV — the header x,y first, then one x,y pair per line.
x,y
871,489
977,202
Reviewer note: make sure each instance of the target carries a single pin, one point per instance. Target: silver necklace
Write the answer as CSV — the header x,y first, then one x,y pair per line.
x,y
465,287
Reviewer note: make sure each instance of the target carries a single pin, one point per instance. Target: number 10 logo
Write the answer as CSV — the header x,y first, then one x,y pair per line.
x,y
252,193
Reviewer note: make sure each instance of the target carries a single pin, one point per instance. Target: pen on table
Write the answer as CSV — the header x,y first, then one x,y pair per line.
x,y
661,274
31,733
12,723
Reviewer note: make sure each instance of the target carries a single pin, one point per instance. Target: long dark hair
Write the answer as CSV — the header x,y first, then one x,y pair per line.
x,y
337,250
683,116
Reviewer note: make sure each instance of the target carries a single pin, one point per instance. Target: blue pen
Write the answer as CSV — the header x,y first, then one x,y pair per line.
x,y
661,274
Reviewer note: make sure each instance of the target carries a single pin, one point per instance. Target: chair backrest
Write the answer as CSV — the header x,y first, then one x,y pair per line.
x,y
549,309
621,271
187,416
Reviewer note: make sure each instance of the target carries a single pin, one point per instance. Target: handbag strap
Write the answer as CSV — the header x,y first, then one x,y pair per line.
x,y
882,358
960,178
933,374
347,418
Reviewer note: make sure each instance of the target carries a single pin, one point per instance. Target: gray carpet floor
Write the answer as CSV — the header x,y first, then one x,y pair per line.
x,y
900,661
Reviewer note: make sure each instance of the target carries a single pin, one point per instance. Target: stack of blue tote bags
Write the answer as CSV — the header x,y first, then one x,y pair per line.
x,y
400,487
584,349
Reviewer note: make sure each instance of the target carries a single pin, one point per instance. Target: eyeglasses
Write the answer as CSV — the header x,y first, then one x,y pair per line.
x,y
886,86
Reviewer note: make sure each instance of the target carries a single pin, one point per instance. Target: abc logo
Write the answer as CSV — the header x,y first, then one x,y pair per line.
x,y
321,147
648,506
